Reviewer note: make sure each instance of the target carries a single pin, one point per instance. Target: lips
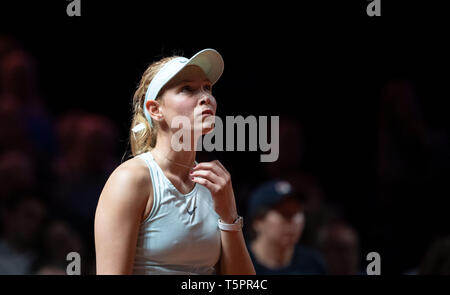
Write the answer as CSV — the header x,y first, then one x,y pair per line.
x,y
208,112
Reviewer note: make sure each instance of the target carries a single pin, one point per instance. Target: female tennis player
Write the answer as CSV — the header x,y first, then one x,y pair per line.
x,y
161,212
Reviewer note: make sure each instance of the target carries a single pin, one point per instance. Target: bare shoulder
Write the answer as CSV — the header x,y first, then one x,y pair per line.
x,y
129,180
136,167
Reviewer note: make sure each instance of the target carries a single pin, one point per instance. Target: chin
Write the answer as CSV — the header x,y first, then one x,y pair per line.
x,y
207,130
207,126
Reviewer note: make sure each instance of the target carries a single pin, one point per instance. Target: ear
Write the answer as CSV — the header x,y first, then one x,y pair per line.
x,y
154,109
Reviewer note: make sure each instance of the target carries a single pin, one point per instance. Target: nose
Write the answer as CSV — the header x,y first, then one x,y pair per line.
x,y
206,99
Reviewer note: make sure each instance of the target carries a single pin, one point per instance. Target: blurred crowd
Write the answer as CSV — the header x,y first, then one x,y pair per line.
x,y
52,171
54,166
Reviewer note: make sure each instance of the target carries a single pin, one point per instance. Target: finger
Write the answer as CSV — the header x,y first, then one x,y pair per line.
x,y
221,166
225,173
209,175
209,166
206,183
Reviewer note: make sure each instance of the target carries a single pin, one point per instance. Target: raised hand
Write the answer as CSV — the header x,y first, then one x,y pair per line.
x,y
216,178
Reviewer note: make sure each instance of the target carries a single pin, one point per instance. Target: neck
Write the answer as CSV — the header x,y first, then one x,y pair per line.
x,y
270,254
175,162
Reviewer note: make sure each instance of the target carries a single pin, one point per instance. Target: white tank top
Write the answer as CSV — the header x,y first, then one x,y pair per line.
x,y
180,235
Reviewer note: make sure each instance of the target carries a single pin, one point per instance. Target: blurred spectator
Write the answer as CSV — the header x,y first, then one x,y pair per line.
x,y
276,223
339,243
16,173
23,218
317,209
437,258
289,166
26,122
58,241
87,144
18,76
86,159
13,134
290,156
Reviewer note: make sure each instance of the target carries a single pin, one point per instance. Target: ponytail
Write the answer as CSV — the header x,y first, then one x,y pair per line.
x,y
143,138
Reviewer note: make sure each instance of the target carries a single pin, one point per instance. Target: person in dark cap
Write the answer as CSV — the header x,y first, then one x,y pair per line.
x,y
276,217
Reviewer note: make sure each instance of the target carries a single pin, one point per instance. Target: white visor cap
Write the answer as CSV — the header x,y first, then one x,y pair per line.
x,y
209,60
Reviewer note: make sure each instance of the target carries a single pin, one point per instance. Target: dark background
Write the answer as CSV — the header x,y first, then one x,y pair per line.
x,y
324,64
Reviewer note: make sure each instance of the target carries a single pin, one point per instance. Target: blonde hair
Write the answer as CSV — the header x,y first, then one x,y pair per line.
x,y
144,140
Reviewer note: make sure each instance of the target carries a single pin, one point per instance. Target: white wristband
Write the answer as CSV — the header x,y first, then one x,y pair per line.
x,y
236,226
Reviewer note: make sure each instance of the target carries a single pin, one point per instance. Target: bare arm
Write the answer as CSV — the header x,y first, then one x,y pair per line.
x,y
117,218
234,259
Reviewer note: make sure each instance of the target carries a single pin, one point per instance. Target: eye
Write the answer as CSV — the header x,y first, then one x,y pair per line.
x,y
187,88
208,87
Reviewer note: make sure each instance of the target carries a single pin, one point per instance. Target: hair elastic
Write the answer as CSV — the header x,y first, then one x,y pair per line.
x,y
139,127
